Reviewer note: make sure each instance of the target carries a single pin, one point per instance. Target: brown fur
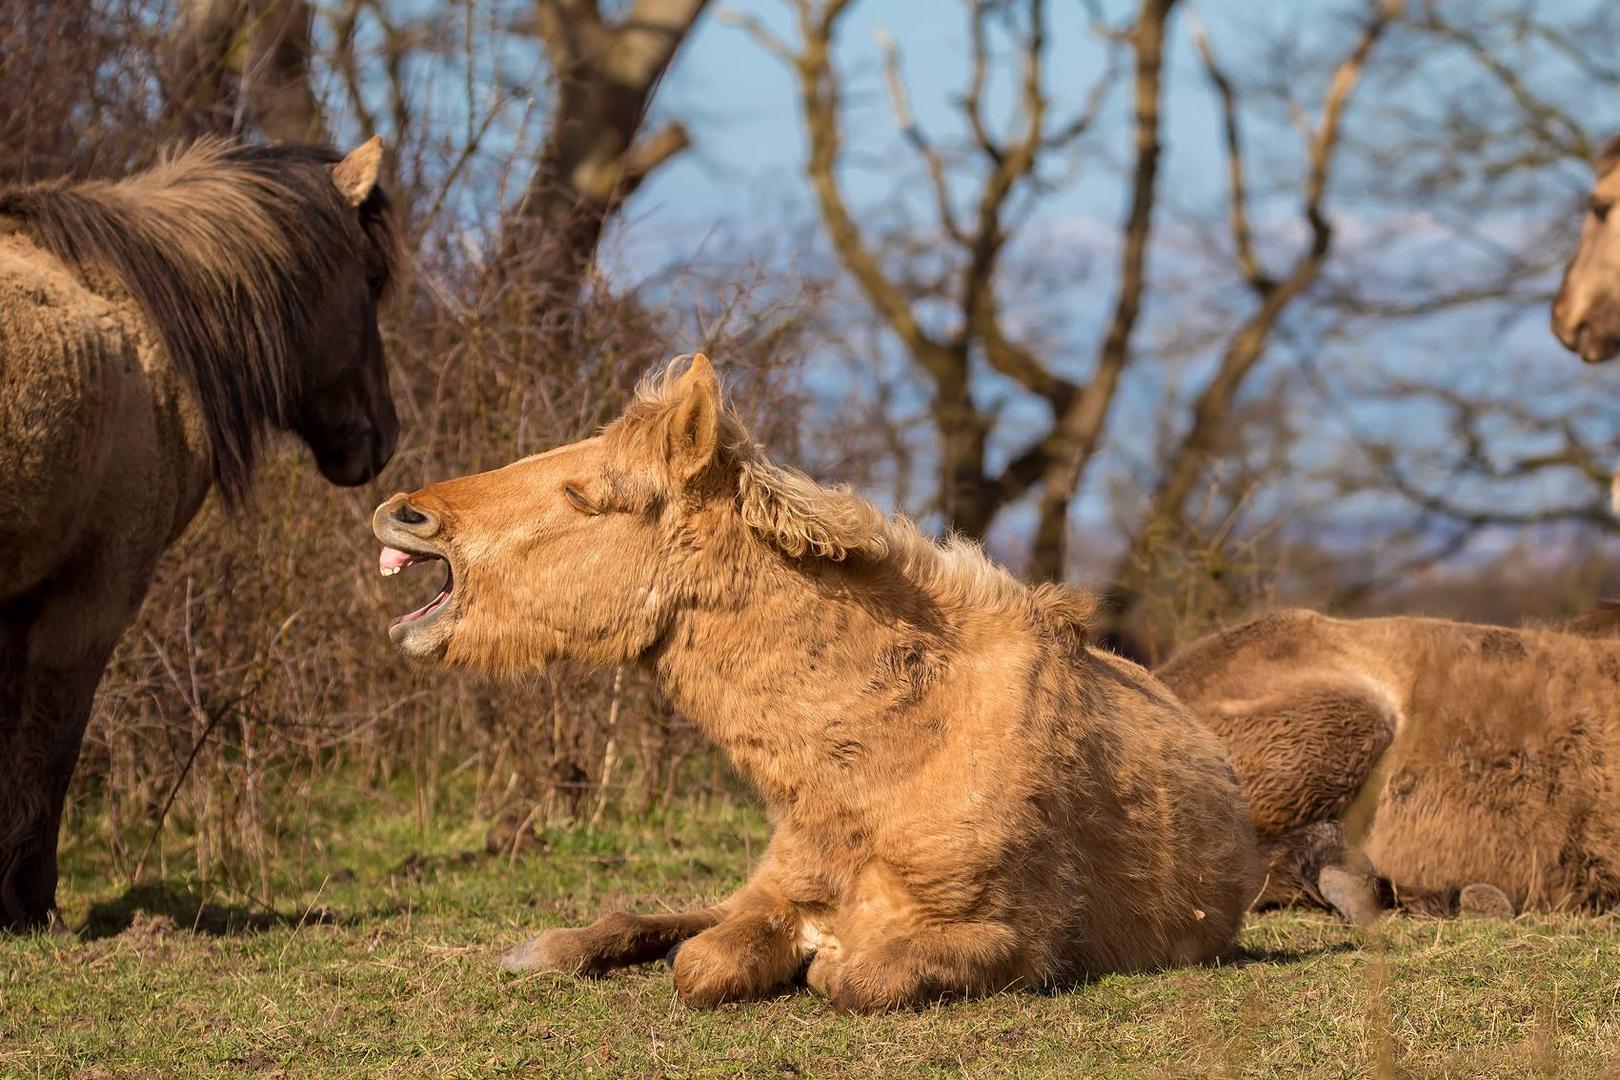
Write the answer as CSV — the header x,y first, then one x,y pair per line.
x,y
965,797
1601,620
150,331
1450,754
230,251
1586,311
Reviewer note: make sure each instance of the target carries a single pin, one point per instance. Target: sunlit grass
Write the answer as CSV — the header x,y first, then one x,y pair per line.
x,y
386,966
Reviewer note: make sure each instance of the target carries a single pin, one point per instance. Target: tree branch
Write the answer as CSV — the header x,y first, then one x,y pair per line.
x,y
1075,435
607,73
1238,201
1246,346
906,121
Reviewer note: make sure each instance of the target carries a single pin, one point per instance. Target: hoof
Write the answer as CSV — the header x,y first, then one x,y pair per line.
x,y
1354,896
548,952
1483,901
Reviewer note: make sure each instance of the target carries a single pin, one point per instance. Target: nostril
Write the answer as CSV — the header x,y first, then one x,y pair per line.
x,y
409,515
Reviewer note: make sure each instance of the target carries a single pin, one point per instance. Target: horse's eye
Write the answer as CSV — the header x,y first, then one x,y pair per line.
x,y
578,501
1601,207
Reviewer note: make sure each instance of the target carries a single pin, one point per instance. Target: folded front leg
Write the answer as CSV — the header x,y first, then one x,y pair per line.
x,y
750,954
902,971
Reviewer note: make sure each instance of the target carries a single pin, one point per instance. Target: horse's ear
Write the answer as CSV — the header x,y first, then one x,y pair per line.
x,y
356,175
694,423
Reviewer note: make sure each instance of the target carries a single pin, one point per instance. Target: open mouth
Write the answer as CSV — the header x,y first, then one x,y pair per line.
x,y
393,560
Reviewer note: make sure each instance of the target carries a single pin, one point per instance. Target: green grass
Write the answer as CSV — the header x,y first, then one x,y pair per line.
x,y
386,966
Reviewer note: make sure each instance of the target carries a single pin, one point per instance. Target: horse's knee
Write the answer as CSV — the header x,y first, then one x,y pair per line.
x,y
708,974
738,961
880,984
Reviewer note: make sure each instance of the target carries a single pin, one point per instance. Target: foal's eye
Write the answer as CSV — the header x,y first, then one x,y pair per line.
x,y
578,501
1601,208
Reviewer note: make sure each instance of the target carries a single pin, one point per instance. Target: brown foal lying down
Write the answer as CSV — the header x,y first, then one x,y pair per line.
x,y
965,797
1474,767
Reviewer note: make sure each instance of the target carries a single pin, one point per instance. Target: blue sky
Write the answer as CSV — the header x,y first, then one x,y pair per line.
x,y
741,105
740,194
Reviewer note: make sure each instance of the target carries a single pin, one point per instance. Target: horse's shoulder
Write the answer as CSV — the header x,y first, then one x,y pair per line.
x,y
33,276
48,314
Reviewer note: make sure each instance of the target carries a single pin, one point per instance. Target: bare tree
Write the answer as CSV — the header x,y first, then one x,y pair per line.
x,y
69,99
605,74
1009,168
1273,295
1489,145
243,65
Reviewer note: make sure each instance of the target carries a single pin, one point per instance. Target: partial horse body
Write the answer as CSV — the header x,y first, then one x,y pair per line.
x,y
152,332
965,797
1420,757
1586,311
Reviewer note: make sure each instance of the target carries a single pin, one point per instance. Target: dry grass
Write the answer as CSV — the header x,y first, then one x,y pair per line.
x,y
384,965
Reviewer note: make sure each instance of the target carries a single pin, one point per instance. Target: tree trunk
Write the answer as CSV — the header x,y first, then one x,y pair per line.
x,y
606,76
1078,431
242,65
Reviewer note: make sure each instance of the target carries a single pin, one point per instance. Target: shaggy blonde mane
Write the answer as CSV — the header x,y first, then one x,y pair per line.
x,y
802,519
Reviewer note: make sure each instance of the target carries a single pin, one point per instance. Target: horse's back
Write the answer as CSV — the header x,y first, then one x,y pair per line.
x,y
1496,749
1182,866
65,366
1508,771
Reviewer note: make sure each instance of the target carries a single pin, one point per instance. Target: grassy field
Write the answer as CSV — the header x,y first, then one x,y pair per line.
x,y
386,967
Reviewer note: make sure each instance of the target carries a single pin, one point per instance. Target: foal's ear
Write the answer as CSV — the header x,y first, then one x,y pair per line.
x,y
694,423
356,175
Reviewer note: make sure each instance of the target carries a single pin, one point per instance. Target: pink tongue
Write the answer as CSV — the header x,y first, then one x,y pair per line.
x,y
392,558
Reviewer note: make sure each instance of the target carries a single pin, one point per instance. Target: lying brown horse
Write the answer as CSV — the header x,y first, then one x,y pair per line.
x,y
965,797
1586,312
152,331
1432,763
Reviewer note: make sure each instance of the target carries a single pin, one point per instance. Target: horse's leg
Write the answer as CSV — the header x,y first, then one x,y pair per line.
x,y
1309,865
910,970
21,795
613,941
49,707
1303,756
744,947
722,957
55,647
739,949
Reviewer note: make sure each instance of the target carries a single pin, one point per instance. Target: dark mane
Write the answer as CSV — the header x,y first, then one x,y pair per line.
x,y
229,250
